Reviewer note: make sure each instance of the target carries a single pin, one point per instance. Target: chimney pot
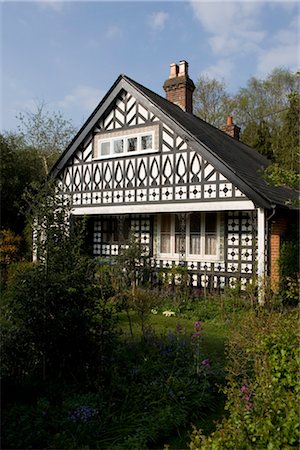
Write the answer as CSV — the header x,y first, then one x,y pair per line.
x,y
173,70
231,129
229,120
183,68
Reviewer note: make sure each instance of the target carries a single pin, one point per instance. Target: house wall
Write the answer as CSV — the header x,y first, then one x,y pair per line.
x,y
237,262
173,173
174,177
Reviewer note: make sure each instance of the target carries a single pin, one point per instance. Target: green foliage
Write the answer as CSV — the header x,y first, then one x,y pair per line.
x,y
289,267
56,323
10,251
266,109
153,388
26,158
48,133
258,136
262,386
276,175
132,269
20,167
288,151
211,101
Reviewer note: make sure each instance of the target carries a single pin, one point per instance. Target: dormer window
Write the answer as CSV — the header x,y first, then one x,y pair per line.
x,y
120,143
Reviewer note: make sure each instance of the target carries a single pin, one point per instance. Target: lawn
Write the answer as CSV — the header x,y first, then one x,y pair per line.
x,y
214,331
213,348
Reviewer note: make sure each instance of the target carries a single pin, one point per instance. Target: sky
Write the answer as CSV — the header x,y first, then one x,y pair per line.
x,y
68,54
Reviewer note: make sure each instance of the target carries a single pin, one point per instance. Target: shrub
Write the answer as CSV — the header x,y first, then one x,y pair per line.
x,y
262,387
56,324
155,386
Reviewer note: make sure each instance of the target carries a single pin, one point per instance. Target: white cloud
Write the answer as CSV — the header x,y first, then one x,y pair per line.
x,y
233,26
84,97
113,32
284,49
222,70
158,20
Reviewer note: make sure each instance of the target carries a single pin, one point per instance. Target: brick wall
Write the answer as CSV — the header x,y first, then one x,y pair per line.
x,y
277,230
179,87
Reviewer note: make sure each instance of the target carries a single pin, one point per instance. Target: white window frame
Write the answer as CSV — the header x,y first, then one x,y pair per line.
x,y
188,256
125,139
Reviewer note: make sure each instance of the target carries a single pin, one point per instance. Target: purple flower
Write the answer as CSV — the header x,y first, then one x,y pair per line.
x,y
197,329
249,406
247,397
82,413
206,363
244,389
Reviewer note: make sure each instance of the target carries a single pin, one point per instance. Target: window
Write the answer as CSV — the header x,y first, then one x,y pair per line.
x,y
165,234
202,236
118,146
195,234
146,142
211,234
133,143
111,231
104,148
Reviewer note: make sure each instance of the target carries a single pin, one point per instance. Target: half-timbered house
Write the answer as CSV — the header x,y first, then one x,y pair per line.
x,y
194,194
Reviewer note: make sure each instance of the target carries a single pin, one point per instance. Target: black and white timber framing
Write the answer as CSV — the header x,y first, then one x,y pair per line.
x,y
181,174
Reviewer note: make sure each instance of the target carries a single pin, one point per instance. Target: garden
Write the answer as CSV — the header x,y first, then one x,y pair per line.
x,y
93,356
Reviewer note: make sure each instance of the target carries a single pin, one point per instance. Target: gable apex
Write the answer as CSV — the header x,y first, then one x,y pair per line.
x,y
236,161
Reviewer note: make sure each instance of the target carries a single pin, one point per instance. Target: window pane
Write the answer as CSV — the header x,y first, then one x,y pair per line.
x,y
195,244
166,223
210,222
165,246
177,224
211,234
118,146
114,231
165,233
132,144
210,245
195,234
146,142
126,229
195,223
105,148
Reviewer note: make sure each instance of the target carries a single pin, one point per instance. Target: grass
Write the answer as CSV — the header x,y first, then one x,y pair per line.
x,y
214,332
213,345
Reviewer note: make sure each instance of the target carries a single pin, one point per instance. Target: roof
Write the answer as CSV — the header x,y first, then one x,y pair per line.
x,y
242,164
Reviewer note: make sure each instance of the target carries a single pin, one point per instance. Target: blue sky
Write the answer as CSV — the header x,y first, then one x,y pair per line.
x,y
69,53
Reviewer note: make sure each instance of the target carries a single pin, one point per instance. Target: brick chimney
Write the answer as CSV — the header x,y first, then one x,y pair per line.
x,y
231,129
179,87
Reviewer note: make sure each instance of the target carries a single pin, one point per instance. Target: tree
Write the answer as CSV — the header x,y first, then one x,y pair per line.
x,y
211,101
265,101
26,157
49,133
56,324
20,167
288,152
258,136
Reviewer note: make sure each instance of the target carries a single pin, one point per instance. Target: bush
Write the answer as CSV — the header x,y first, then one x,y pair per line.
x,y
289,267
157,384
56,324
262,389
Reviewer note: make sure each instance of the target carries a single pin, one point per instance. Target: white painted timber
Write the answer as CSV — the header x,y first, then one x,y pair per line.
x,y
261,253
246,205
